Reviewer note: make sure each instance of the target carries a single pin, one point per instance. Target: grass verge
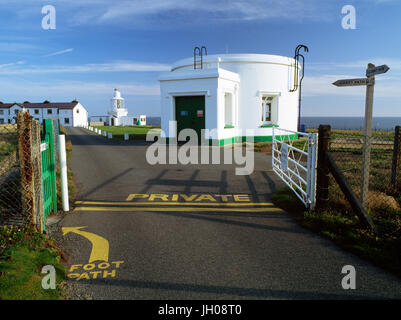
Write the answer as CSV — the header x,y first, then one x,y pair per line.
x,y
135,132
23,253
382,250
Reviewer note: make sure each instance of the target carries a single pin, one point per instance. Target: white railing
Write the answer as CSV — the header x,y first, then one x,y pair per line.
x,y
294,160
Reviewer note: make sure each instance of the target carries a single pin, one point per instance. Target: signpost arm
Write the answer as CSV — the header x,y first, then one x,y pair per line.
x,y
367,139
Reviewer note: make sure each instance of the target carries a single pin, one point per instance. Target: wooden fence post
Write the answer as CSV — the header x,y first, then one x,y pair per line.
x,y
396,156
322,188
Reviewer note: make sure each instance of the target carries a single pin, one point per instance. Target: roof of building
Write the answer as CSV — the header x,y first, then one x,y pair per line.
x,y
234,58
45,104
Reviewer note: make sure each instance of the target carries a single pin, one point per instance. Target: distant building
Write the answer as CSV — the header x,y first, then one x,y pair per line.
x,y
70,114
118,114
99,119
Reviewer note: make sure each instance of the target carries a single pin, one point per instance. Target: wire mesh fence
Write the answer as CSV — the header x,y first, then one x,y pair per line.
x,y
10,175
346,148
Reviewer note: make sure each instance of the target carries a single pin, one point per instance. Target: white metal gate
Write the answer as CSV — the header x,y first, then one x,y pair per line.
x,y
294,160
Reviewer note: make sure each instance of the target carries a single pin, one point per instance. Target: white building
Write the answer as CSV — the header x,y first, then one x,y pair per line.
x,y
231,93
118,114
70,114
99,119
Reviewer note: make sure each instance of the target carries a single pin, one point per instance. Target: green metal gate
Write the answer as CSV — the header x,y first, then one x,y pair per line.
x,y
49,188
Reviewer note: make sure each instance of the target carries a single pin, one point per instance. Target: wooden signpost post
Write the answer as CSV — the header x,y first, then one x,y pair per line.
x,y
369,82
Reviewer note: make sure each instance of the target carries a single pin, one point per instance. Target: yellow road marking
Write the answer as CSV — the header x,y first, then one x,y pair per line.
x,y
266,209
217,204
100,246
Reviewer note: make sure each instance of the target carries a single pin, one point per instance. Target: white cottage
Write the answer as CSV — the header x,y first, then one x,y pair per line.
x,y
70,114
231,93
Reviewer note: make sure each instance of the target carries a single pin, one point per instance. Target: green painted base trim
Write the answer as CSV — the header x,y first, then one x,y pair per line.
x,y
229,127
269,126
227,141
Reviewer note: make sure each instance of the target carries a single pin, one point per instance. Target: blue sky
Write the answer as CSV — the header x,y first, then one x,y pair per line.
x,y
101,44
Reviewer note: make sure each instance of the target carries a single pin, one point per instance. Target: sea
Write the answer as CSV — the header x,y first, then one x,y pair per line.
x,y
352,123
349,123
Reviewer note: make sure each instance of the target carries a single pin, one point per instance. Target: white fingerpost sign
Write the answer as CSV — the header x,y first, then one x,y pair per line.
x,y
351,82
377,70
371,71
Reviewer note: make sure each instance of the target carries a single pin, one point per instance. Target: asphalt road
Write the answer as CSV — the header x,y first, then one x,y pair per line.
x,y
196,251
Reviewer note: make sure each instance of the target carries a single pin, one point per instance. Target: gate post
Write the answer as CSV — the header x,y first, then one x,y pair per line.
x,y
48,126
30,168
322,189
396,156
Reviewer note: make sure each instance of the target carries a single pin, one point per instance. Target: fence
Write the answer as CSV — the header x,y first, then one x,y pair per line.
x,y
21,184
10,176
345,149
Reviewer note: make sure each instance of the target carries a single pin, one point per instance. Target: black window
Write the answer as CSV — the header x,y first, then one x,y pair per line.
x,y
36,111
49,111
1,111
1,121
67,120
16,111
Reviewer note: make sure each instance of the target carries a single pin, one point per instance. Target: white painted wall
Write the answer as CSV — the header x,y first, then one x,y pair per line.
x,y
80,116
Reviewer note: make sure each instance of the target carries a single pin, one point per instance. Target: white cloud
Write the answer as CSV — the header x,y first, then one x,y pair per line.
x,y
5,65
59,52
20,90
6,46
119,66
323,85
163,12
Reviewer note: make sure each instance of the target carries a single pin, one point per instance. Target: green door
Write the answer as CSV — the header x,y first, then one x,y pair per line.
x,y
190,113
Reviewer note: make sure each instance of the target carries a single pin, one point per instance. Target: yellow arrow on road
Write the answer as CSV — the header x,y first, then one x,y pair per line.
x,y
100,246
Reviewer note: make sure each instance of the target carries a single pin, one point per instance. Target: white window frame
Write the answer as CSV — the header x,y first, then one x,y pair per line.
x,y
231,121
274,107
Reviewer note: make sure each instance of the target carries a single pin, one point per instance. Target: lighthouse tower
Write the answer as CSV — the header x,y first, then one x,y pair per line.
x,y
117,109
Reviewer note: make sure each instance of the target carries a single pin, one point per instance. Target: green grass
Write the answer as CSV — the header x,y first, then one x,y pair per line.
x,y
135,130
23,254
384,135
8,140
345,230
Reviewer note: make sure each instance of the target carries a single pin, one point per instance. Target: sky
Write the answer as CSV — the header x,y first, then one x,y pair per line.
x,y
99,45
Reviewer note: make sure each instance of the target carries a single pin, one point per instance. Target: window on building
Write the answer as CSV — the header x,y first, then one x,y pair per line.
x,y
228,110
1,121
49,111
77,110
100,119
67,120
36,111
16,111
1,111
269,109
